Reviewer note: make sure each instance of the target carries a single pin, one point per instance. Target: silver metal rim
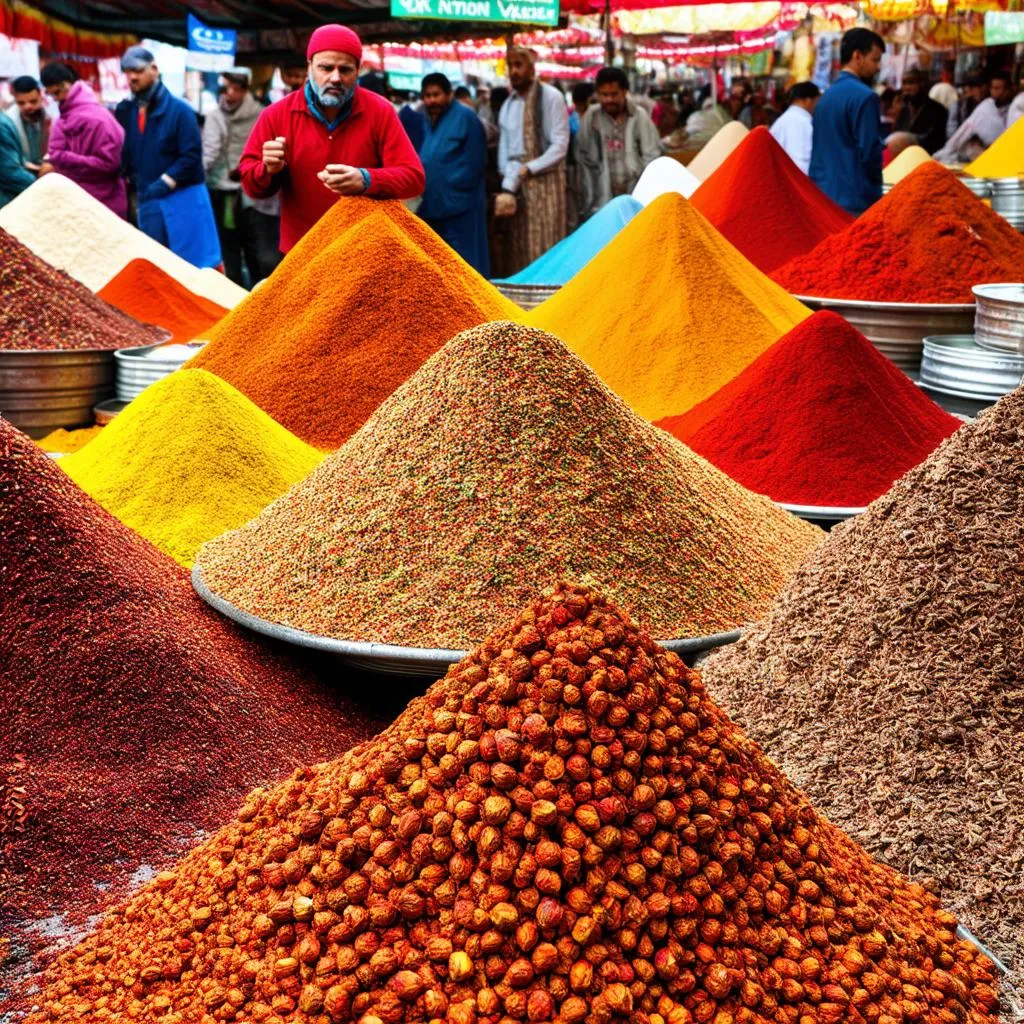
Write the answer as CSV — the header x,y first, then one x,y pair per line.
x,y
993,292
919,307
828,512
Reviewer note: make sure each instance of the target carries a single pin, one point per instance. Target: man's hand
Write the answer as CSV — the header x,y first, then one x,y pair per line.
x,y
273,155
524,172
46,168
505,205
345,180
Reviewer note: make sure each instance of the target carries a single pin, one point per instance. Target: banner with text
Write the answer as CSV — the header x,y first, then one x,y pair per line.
x,y
210,49
534,12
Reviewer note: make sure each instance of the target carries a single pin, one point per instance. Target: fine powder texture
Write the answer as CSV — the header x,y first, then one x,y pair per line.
x,y
149,294
929,240
664,174
909,160
1004,158
564,828
765,205
353,309
60,222
43,308
502,464
63,441
717,150
190,458
669,312
135,717
821,418
889,679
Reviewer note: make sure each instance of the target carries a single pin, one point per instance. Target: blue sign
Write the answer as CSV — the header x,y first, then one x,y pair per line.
x,y
210,49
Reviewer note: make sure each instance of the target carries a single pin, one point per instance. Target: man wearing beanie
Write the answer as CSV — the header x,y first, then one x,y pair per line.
x,y
328,140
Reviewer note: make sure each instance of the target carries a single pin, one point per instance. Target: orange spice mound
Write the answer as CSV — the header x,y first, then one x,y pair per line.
x,y
350,313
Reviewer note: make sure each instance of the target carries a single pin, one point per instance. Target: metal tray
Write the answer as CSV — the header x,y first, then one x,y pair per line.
x,y
391,659
527,296
828,513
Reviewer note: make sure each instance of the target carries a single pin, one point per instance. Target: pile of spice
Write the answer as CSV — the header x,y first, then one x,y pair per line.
x,y
42,308
889,679
765,205
1004,158
822,418
564,260
565,828
929,240
64,225
716,150
909,160
149,294
134,716
190,458
63,442
319,348
669,312
661,175
502,464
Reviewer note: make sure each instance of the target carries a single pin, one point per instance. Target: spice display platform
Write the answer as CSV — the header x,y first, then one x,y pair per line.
x,y
391,659
528,296
823,513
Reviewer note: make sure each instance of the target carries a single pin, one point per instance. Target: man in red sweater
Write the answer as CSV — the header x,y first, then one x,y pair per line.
x,y
329,139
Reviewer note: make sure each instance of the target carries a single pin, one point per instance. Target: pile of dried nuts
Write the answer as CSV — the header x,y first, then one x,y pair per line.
x,y
565,828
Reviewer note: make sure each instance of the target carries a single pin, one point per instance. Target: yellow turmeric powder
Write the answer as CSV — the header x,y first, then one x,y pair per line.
x,y
669,311
190,458
1004,158
63,442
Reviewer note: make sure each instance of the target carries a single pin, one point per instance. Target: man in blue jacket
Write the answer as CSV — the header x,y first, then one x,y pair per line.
x,y
163,158
846,158
15,177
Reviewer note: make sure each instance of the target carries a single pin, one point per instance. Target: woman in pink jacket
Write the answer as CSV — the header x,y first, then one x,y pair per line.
x,y
86,140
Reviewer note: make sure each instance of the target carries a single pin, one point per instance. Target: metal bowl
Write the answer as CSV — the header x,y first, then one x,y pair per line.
x,y
954,364
1008,200
137,368
898,329
105,412
528,296
391,659
999,320
823,513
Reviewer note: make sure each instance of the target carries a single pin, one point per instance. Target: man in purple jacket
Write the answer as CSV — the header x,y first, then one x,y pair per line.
x,y
85,141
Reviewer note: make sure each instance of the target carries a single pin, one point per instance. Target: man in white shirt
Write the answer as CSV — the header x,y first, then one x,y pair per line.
x,y
984,125
1016,109
794,130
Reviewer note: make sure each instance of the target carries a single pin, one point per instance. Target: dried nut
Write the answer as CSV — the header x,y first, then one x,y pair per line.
x,y
460,966
407,985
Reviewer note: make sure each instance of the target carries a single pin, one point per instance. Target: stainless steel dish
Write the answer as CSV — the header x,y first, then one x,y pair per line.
x,y
999,320
956,365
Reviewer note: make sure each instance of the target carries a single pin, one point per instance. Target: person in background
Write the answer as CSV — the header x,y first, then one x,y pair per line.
x,y
582,97
576,208
890,101
332,139
31,120
293,74
532,149
1015,111
15,177
413,119
163,158
454,156
975,90
708,119
617,141
686,104
741,102
86,141
983,125
919,115
794,130
465,97
846,155
943,91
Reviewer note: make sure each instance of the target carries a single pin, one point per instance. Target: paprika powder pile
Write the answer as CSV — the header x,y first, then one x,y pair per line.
x,y
669,311
501,464
564,828
149,294
822,418
352,310
135,717
929,240
188,459
765,205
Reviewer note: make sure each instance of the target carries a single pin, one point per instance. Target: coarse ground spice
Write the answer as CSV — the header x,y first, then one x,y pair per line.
x,y
149,294
134,715
43,308
765,205
669,311
61,441
190,458
565,828
821,418
502,463
354,308
888,681
929,240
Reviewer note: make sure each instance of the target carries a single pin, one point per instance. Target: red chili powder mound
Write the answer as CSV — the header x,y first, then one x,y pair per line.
x,y
149,294
351,312
134,715
765,205
821,418
929,240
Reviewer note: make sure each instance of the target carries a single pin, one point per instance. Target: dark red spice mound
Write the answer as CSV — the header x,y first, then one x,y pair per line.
x,y
765,205
42,308
134,715
929,240
821,418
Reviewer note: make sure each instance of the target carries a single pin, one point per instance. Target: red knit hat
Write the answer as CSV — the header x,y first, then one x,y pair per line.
x,y
335,37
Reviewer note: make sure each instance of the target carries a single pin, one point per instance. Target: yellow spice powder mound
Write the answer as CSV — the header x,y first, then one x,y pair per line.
x,y
63,442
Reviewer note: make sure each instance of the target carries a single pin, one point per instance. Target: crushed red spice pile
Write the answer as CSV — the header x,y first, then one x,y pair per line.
x,y
929,240
822,418
134,716
565,828
42,308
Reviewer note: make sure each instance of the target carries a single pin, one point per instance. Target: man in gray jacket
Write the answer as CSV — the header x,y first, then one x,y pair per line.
x,y
616,141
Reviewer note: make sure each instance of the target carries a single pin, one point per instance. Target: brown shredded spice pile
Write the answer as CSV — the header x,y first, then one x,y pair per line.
x,y
134,716
565,828
502,464
888,681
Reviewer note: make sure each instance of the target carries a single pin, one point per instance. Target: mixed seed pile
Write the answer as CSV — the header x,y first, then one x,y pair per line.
x,y
565,828
889,680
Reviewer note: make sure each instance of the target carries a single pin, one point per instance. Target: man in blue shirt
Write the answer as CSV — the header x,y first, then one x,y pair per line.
x,y
846,158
